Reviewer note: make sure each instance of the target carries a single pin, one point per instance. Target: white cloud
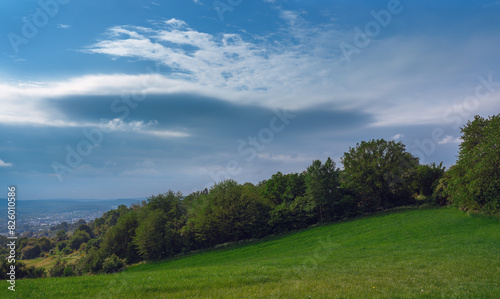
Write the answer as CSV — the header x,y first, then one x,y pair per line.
x,y
450,139
397,136
238,64
63,26
4,164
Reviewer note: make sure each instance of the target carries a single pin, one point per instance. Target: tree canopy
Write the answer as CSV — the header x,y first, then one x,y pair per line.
x,y
475,179
379,173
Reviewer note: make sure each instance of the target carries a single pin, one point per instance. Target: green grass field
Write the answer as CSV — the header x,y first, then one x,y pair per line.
x,y
409,253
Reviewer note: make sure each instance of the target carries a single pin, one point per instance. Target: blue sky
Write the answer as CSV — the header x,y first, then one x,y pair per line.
x,y
123,99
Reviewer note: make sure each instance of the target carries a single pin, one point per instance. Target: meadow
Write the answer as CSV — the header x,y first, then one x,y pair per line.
x,y
422,253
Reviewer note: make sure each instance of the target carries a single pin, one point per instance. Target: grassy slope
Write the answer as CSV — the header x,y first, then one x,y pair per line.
x,y
50,261
413,253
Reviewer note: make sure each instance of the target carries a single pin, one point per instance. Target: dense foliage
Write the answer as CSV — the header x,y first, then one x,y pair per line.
x,y
380,173
475,180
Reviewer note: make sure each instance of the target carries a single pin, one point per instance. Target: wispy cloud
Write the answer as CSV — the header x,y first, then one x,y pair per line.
x,y
305,67
63,26
237,63
141,127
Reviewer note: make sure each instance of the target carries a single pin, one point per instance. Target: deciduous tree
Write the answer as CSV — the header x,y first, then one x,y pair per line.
x,y
379,172
475,179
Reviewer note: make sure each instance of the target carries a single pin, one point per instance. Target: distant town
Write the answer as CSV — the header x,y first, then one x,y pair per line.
x,y
36,216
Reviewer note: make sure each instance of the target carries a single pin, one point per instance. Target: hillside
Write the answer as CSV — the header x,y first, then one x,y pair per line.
x,y
408,253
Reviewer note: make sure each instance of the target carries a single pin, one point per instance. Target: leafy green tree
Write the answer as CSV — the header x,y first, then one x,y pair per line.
x,y
80,221
64,226
275,188
475,179
111,217
61,245
78,238
427,178
192,200
118,239
92,262
45,244
296,186
229,212
99,226
322,186
169,203
440,193
94,244
85,228
379,173
68,271
61,235
284,188
31,252
158,234
113,264
60,269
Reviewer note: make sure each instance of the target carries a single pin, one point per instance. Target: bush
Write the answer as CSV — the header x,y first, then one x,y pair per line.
x,y
427,178
58,269
78,239
22,271
45,244
91,262
68,271
31,252
113,264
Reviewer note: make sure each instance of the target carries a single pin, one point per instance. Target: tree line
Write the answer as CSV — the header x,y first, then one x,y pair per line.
x,y
376,175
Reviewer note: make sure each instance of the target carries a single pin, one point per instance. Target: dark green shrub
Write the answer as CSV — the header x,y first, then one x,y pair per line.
x,y
58,269
68,271
113,264
31,252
